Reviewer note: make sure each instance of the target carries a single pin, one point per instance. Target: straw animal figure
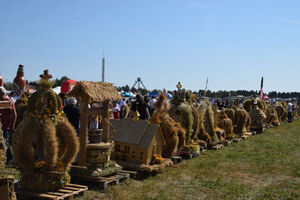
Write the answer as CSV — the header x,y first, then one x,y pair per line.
x,y
174,133
44,165
207,124
2,150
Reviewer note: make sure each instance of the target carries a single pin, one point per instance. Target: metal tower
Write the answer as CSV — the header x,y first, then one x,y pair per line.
x,y
139,82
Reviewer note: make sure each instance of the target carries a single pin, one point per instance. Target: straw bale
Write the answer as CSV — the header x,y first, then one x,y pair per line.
x,y
96,91
2,150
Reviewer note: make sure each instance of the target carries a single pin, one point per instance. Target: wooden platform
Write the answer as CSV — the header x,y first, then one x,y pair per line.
x,y
217,147
7,191
103,181
69,191
227,142
176,159
237,140
203,148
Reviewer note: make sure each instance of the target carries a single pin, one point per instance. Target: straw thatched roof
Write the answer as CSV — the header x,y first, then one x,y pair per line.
x,y
96,91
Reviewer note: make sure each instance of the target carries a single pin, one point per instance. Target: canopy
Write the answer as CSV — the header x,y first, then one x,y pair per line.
x,y
127,94
266,97
67,86
169,95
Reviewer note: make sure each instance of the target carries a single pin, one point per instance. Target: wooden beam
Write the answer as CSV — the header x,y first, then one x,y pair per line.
x,y
105,121
83,132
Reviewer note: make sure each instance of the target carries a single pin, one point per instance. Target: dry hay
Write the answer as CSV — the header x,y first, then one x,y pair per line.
x,y
173,132
21,108
248,104
242,121
95,91
45,143
281,111
272,116
2,150
225,123
146,168
207,123
184,115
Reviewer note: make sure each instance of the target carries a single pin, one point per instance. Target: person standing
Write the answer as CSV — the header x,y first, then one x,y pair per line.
x,y
116,110
122,106
290,111
8,120
72,112
140,106
151,104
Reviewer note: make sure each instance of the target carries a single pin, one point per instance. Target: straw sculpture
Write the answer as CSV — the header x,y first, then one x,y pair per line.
x,y
272,116
248,104
207,123
2,150
241,121
174,133
44,165
281,111
225,123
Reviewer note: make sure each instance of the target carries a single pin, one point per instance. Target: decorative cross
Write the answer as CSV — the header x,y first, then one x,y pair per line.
x,y
179,86
46,75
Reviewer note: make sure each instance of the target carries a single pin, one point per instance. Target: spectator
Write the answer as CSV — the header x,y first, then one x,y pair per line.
x,y
290,111
116,110
122,106
73,113
8,120
140,106
151,104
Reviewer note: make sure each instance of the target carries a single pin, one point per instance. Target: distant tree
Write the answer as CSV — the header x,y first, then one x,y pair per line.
x,y
58,82
9,85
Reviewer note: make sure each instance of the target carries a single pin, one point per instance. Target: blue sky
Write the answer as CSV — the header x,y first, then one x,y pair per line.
x,y
232,42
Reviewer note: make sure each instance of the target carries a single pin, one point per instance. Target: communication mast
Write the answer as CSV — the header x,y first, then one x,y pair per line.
x,y
103,67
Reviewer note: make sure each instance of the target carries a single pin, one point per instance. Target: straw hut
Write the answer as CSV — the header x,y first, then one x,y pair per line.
x,y
87,93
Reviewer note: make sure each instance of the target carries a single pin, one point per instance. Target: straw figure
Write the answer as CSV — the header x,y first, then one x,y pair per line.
x,y
272,116
240,119
2,150
225,123
257,118
248,104
45,143
174,133
207,124
281,111
183,111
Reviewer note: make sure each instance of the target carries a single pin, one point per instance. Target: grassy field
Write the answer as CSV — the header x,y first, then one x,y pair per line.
x,y
265,166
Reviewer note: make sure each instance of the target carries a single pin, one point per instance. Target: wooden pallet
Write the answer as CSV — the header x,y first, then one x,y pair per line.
x,y
186,155
101,181
217,147
227,142
68,192
7,191
176,159
203,148
237,140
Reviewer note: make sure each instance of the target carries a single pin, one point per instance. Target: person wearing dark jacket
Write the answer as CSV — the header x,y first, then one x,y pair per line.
x,y
140,106
72,112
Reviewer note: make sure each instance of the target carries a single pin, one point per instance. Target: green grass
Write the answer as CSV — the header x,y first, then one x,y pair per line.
x,y
265,166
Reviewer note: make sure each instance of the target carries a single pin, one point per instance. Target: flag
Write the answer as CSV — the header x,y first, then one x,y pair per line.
x,y
261,87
